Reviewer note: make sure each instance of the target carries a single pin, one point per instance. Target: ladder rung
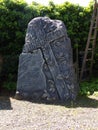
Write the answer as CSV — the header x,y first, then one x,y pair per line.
x,y
89,49
88,59
87,69
92,38
82,52
95,21
95,27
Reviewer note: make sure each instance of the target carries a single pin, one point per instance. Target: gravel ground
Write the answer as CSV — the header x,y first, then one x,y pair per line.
x,y
26,115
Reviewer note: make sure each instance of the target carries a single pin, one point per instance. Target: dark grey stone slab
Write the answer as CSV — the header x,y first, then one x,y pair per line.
x,y
46,62
30,74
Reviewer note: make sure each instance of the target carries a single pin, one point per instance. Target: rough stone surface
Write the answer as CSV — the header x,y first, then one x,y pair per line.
x,y
46,63
30,73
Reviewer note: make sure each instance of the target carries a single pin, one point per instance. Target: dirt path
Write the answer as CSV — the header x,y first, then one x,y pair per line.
x,y
25,115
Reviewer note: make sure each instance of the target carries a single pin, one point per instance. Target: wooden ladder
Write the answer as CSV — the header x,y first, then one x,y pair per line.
x,y
88,58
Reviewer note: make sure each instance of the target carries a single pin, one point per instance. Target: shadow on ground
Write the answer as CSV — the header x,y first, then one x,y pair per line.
x,y
5,103
82,101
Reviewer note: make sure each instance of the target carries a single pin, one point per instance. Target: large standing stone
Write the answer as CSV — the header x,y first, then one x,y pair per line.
x,y
46,63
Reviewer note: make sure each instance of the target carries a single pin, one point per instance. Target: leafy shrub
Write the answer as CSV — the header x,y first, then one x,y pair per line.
x,y
88,87
9,85
9,68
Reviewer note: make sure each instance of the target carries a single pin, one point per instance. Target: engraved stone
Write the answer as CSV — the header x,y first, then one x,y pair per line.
x,y
46,63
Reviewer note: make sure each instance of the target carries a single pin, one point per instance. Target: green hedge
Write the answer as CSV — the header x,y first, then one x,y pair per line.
x,y
14,17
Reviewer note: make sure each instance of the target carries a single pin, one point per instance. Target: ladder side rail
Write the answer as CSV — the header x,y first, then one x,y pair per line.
x,y
94,43
88,41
